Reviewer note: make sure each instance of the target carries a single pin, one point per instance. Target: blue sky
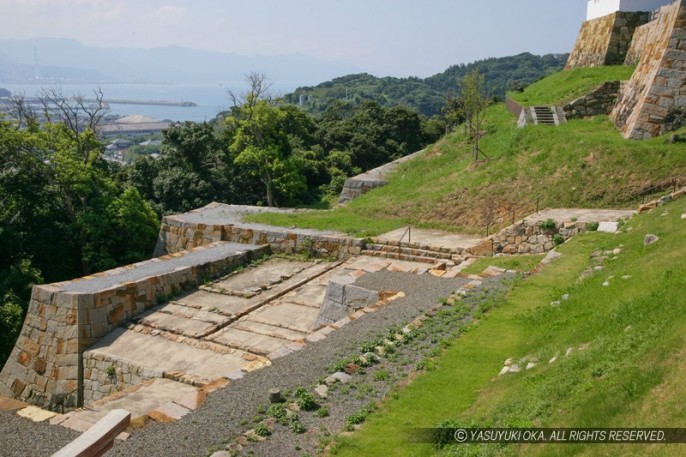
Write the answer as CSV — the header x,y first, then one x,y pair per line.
x,y
383,37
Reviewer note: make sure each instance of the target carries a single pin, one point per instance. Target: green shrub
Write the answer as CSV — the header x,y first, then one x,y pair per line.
x,y
548,224
305,400
262,430
295,425
593,226
558,239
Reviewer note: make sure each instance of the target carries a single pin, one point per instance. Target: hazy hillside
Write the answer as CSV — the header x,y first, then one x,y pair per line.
x,y
429,95
71,60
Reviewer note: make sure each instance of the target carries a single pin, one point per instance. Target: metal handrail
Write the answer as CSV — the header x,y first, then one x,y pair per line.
x,y
512,214
408,232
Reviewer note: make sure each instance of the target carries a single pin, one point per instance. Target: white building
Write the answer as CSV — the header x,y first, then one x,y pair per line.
x,y
600,8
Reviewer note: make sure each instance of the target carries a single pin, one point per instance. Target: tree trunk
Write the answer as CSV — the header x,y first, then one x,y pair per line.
x,y
267,180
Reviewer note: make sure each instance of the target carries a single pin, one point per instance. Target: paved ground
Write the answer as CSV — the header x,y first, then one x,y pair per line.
x,y
222,214
433,238
581,215
224,332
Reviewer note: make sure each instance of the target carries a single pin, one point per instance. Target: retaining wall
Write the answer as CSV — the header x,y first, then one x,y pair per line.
x,y
601,101
177,235
606,40
46,366
659,83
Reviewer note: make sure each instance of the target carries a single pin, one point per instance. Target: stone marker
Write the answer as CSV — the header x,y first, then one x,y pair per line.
x,y
608,227
275,396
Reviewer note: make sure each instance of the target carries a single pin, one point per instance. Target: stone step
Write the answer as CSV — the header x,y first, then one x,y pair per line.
x,y
406,257
409,251
423,247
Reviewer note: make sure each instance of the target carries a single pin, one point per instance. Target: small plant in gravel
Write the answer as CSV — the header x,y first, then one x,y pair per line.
x,y
353,420
305,400
323,412
243,422
262,430
382,375
295,425
278,412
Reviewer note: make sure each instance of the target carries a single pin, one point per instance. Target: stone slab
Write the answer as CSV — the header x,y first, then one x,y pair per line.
x,y
269,330
142,401
266,275
248,341
608,227
169,410
10,404
192,313
433,238
308,295
229,305
36,414
289,315
367,264
176,324
161,354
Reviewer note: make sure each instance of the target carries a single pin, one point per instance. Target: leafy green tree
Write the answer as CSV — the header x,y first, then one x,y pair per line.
x,y
474,106
261,145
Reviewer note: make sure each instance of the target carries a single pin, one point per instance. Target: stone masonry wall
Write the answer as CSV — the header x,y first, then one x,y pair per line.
x,y
605,40
529,237
601,101
659,83
46,365
177,235
104,377
640,42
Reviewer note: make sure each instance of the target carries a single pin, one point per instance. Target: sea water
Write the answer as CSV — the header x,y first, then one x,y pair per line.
x,y
211,99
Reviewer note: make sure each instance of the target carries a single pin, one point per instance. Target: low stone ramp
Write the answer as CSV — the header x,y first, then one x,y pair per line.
x,y
361,184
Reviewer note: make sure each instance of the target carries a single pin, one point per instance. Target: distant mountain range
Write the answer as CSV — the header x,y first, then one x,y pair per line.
x,y
66,60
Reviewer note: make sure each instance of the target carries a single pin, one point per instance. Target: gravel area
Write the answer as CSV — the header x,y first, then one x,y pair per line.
x,y
157,267
20,437
229,412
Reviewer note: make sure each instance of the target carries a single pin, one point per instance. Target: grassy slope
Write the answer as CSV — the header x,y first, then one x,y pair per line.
x,y
566,86
631,375
584,163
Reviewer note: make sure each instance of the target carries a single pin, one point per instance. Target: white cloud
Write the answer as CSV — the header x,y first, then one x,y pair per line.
x,y
170,14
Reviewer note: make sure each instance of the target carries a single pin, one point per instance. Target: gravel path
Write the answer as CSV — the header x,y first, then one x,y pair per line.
x,y
230,411
21,437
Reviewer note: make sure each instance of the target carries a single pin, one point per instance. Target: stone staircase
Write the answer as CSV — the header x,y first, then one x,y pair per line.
x,y
544,115
413,252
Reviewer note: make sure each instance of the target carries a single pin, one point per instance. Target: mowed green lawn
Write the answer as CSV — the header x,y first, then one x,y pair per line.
x,y
626,369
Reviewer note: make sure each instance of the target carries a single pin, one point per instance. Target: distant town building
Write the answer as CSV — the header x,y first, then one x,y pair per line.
x,y
600,8
134,125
